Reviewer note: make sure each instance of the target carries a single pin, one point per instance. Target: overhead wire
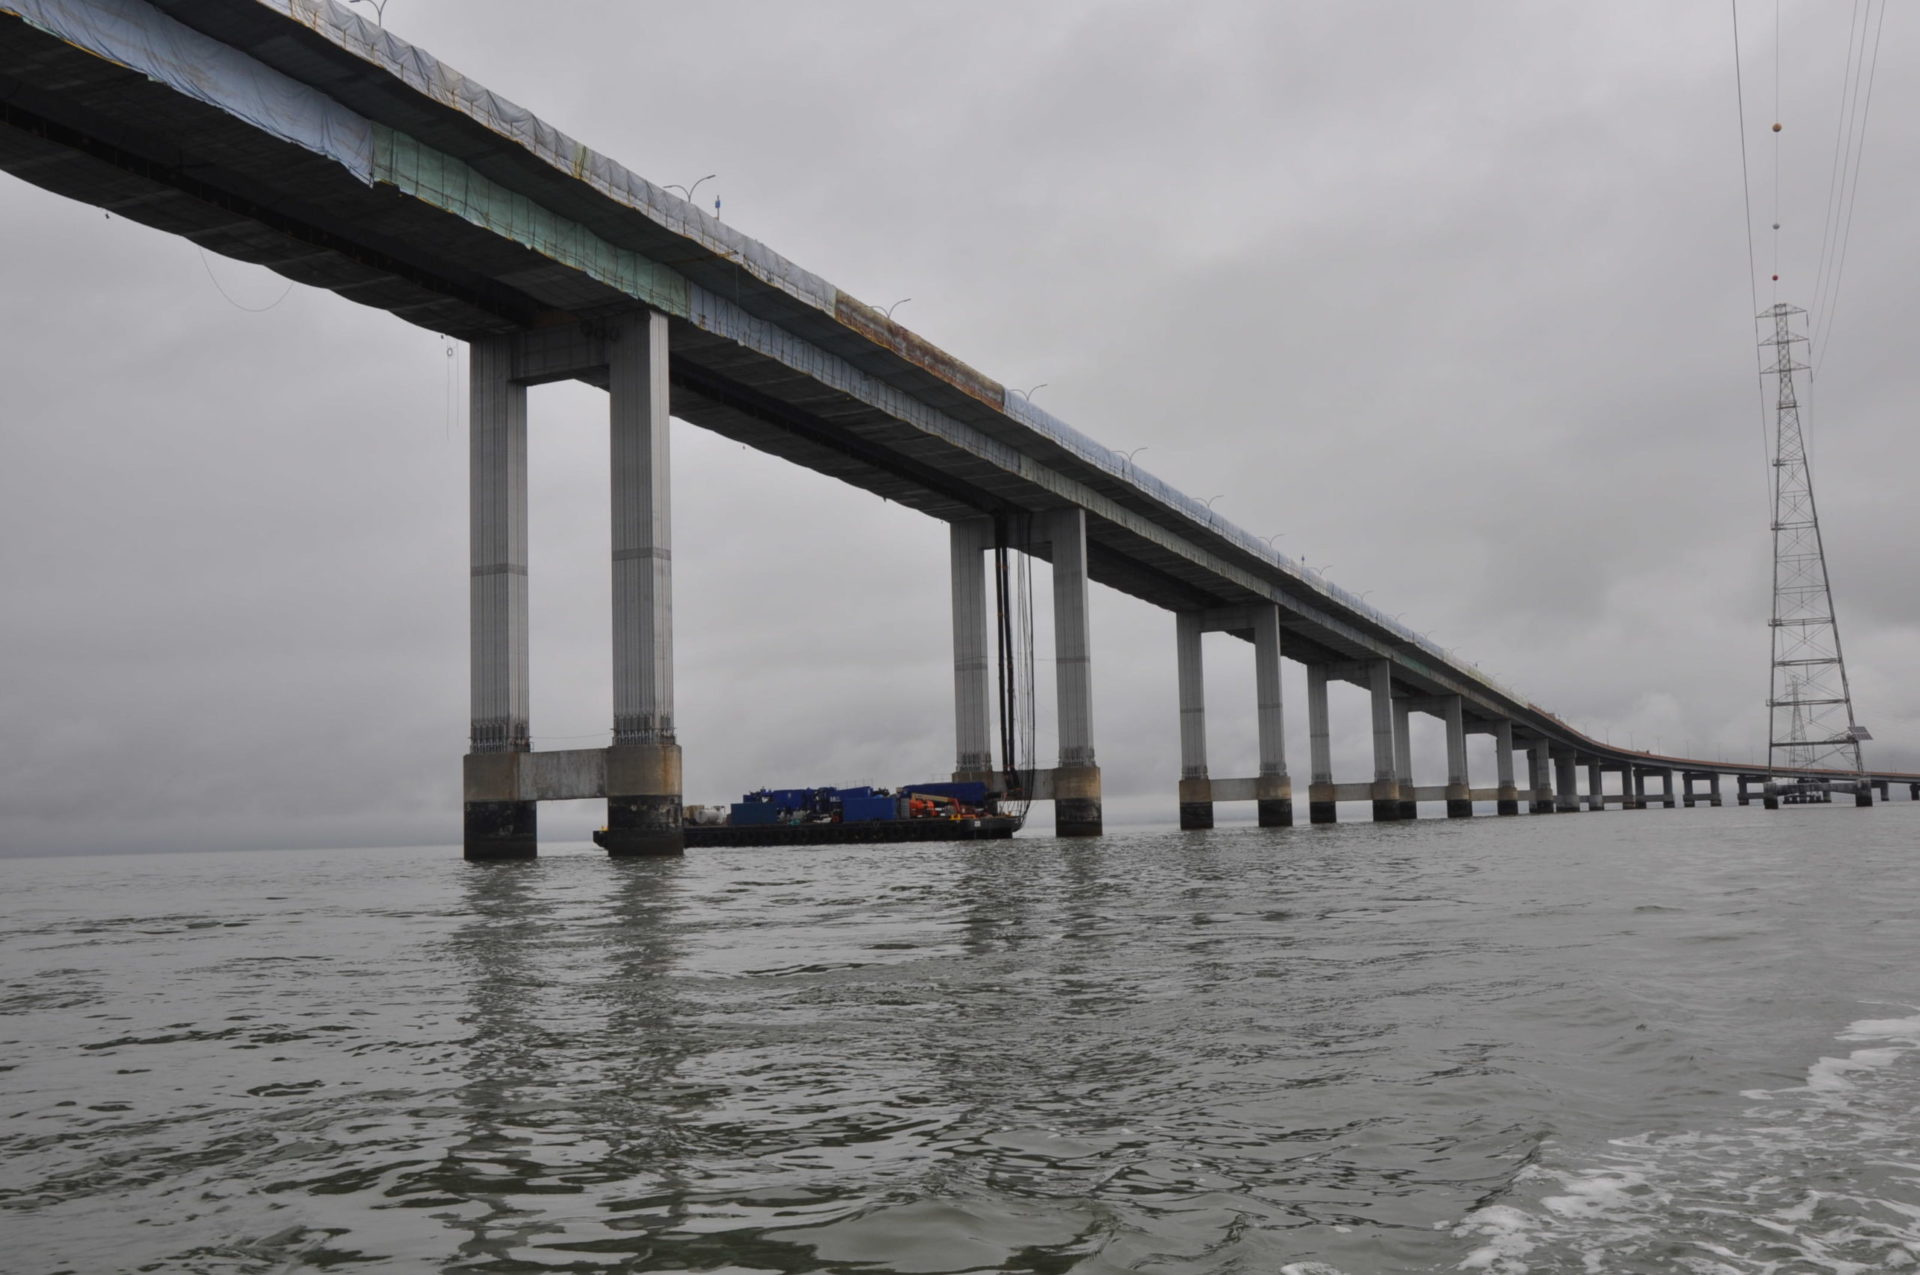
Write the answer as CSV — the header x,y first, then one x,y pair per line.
x,y
1841,144
1825,333
1753,273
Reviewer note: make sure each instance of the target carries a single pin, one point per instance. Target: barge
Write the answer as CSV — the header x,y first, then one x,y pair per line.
x,y
842,816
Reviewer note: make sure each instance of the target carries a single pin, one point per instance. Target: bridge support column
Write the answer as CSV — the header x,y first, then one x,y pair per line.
x,y
1509,795
968,542
1770,795
1076,784
643,766
1273,789
1567,783
1321,807
1386,782
499,823
1913,792
1403,757
1883,785
1686,789
1196,790
1740,790
1863,795
1459,789
1638,780
1713,789
1542,782
1596,787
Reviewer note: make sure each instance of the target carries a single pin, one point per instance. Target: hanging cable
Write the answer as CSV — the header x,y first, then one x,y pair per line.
x,y
250,309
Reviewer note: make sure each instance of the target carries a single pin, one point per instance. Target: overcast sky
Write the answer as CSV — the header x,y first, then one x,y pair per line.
x,y
1453,296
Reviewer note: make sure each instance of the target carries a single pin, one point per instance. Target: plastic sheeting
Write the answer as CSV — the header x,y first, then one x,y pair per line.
x,y
445,182
425,74
138,37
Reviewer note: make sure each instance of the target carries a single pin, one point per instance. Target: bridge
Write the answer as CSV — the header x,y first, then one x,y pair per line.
x,y
296,135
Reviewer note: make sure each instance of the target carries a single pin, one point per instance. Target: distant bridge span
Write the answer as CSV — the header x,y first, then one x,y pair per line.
x,y
298,136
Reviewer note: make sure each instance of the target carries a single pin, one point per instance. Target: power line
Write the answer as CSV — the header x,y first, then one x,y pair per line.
x,y
1830,219
1753,273
1846,234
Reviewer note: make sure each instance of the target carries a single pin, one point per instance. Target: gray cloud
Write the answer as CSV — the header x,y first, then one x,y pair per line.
x,y
1452,296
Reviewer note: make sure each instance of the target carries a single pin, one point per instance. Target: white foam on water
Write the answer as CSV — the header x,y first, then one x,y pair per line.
x,y
1819,1177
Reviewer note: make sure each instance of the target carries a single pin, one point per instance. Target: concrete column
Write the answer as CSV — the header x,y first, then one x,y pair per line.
x,y
1321,807
1740,792
1913,792
1596,787
1713,789
1567,782
1770,795
1883,785
1863,795
1686,789
1538,754
643,766
1639,787
1668,797
1403,757
1076,784
1273,790
1196,790
1509,803
1459,790
968,542
499,824
1386,781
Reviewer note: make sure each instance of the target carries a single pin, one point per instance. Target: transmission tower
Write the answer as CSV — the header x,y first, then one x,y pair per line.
x,y
1810,711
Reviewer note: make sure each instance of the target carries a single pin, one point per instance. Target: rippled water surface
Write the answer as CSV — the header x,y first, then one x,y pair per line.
x,y
1660,1041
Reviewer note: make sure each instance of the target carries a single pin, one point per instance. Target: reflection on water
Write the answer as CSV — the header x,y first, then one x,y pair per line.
x,y
1355,1049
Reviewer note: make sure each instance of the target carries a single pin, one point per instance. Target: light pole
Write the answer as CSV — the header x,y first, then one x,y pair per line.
x,y
895,306
686,192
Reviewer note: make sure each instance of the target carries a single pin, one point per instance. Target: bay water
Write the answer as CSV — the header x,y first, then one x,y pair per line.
x,y
1646,1042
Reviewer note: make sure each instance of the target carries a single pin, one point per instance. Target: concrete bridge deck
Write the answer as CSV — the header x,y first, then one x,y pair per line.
x,y
296,135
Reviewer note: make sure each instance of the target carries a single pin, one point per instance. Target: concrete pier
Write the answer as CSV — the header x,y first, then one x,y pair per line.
x,y
1459,790
1403,756
968,542
1508,801
1273,788
1596,787
1540,774
499,822
1321,807
643,766
1196,792
1386,782
1076,784
1567,783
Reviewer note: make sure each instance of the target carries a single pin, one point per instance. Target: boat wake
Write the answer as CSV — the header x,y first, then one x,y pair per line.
x,y
1819,1177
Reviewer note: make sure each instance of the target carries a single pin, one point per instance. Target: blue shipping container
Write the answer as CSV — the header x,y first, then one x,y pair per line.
x,y
867,809
753,814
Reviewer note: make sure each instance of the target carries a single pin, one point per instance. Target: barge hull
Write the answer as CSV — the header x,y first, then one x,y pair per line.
x,y
986,828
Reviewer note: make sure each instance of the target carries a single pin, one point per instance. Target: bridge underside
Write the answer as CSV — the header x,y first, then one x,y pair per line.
x,y
195,171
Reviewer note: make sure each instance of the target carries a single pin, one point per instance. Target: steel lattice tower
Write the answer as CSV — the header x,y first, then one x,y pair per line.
x,y
1810,711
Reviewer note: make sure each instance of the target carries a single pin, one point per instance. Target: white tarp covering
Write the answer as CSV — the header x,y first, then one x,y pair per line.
x,y
138,37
